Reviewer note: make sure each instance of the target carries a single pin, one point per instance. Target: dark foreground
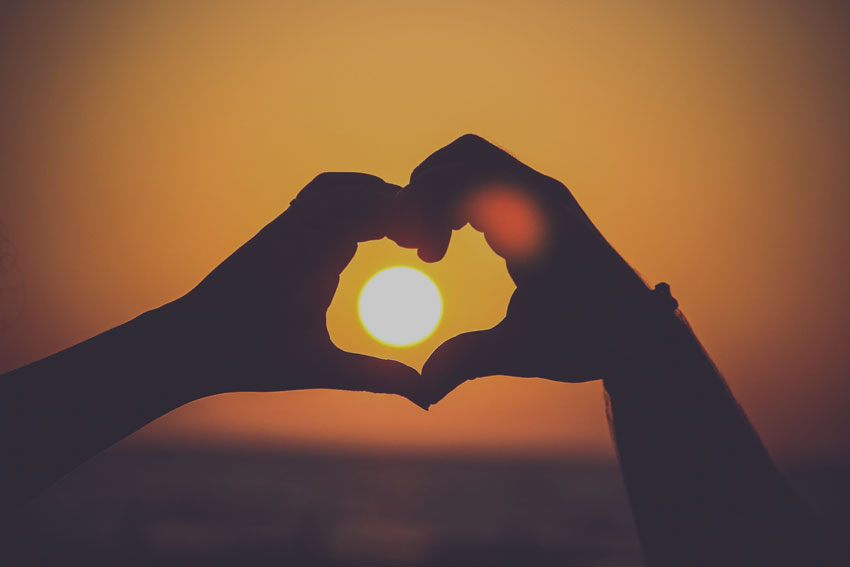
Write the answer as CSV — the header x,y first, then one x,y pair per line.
x,y
205,508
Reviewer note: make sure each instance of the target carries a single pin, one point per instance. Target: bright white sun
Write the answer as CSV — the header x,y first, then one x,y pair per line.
x,y
400,306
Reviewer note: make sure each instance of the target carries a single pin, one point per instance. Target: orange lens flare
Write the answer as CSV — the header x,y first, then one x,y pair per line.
x,y
512,222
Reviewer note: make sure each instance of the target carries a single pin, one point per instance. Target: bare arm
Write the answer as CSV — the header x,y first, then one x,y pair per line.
x,y
703,489
58,412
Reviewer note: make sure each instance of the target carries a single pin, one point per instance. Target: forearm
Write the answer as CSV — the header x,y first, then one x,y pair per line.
x,y
703,489
58,412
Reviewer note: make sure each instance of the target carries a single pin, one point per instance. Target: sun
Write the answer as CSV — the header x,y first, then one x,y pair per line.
x,y
400,306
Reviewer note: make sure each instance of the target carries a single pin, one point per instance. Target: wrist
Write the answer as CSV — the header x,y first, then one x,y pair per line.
x,y
191,364
652,331
664,350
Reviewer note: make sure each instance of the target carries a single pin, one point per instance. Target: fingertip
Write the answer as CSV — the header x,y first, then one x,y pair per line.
x,y
430,255
434,248
418,223
443,388
416,391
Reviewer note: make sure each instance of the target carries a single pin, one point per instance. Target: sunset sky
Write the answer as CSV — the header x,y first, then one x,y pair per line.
x,y
141,143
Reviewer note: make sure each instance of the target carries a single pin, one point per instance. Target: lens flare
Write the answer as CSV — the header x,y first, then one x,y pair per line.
x,y
512,221
400,306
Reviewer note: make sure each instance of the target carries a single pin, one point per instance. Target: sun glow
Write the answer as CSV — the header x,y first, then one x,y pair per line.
x,y
400,306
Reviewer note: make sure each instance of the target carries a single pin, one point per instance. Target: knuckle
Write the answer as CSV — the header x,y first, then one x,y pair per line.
x,y
474,145
337,184
323,179
341,179
470,141
467,152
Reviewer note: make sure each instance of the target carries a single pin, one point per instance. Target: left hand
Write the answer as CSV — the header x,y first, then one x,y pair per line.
x,y
579,311
260,315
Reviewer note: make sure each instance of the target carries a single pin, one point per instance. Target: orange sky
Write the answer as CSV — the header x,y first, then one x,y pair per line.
x,y
140,145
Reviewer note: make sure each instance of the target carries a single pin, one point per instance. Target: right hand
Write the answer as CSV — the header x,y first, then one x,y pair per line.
x,y
259,317
579,311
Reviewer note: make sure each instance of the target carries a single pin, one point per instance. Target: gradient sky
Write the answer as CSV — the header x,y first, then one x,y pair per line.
x,y
141,143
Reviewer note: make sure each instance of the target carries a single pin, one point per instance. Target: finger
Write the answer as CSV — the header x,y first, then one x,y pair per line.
x,y
420,223
472,180
468,356
332,214
352,207
435,242
361,373
427,206
473,157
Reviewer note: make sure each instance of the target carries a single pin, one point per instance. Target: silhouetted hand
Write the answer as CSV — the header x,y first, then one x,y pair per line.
x,y
579,311
261,313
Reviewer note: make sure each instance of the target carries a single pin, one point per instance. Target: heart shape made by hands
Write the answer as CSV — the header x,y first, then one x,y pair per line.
x,y
474,284
576,300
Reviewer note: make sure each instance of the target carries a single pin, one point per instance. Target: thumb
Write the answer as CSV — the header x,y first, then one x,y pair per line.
x,y
361,373
465,357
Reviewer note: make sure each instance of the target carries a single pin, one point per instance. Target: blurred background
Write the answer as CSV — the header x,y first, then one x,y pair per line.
x,y
141,143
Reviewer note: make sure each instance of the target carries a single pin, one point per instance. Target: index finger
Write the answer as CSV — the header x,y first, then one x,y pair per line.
x,y
355,206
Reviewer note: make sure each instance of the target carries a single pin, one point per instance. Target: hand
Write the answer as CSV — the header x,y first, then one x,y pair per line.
x,y
260,315
579,311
